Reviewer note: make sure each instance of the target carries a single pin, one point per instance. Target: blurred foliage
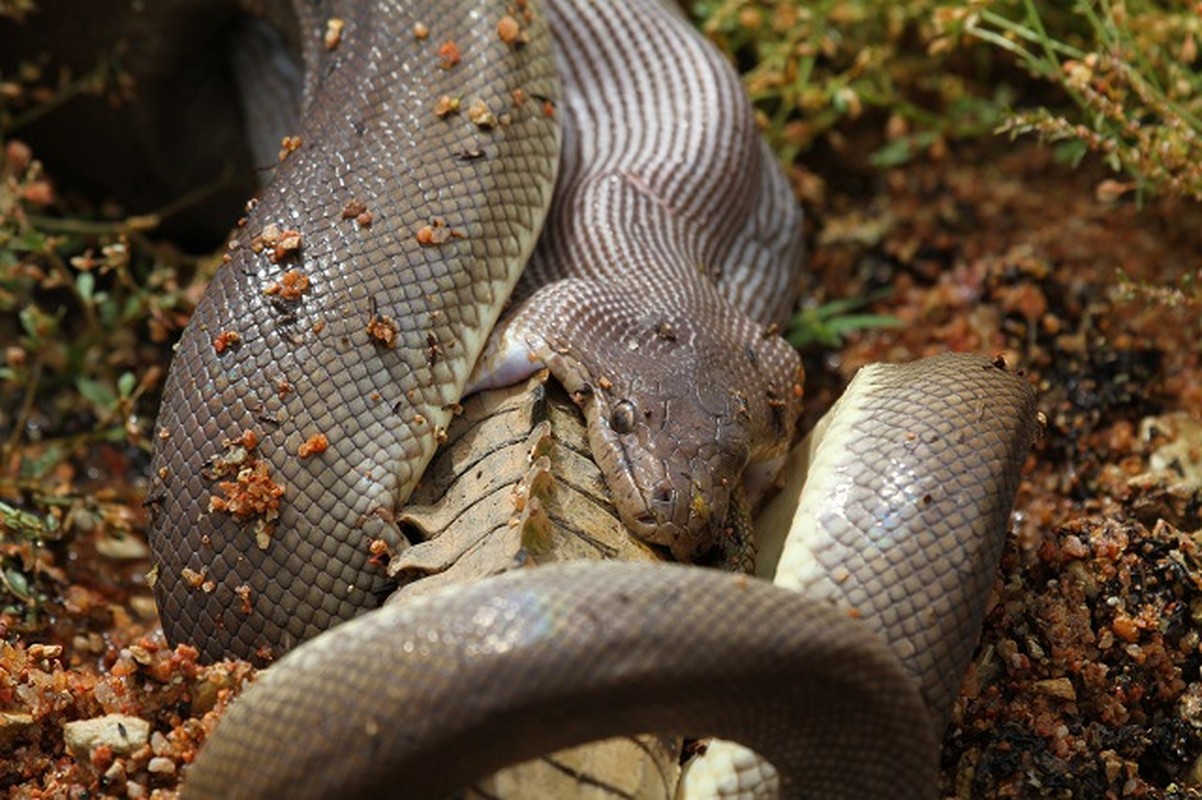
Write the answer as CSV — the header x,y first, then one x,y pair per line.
x,y
1123,78
88,301
26,573
85,305
17,9
89,306
1118,79
1130,71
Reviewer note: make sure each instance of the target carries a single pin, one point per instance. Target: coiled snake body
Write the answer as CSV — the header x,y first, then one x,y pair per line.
x,y
327,357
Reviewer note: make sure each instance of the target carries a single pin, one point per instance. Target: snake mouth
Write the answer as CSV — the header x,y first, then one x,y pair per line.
x,y
658,515
683,516
648,502
650,514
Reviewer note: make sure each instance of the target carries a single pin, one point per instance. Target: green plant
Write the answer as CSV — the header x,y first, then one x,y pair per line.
x,y
1131,91
812,68
1128,67
80,295
827,325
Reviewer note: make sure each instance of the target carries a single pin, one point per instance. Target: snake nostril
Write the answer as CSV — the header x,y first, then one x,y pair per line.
x,y
664,494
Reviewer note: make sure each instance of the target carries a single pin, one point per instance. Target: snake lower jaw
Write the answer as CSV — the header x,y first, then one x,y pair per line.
x,y
685,543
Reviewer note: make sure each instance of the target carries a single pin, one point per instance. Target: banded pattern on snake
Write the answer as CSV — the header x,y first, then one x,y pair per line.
x,y
673,241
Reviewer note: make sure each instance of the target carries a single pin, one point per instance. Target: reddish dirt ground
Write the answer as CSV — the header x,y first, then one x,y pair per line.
x,y
1087,681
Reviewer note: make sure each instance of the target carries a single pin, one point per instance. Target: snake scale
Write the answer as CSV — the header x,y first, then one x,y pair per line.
x,y
327,357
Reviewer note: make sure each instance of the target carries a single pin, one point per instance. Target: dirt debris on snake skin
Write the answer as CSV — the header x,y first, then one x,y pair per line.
x,y
327,356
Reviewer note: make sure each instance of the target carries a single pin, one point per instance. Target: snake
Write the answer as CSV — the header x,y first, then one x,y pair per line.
x,y
480,189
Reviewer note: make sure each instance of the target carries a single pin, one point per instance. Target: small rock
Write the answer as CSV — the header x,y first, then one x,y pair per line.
x,y
1182,455
1056,687
122,733
115,774
1113,764
1194,776
122,547
1189,707
144,607
40,652
13,723
159,744
161,766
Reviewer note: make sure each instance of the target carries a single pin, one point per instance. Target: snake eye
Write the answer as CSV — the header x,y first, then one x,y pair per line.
x,y
622,417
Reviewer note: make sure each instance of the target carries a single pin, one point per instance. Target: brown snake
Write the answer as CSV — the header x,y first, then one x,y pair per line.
x,y
320,369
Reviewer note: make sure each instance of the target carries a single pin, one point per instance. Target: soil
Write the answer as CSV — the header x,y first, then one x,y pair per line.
x,y
1086,683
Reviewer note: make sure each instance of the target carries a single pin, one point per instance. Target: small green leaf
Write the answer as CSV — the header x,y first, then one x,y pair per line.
x,y
39,465
85,284
18,583
828,324
30,241
131,310
862,322
1070,151
902,149
22,523
126,384
107,310
38,324
840,306
96,393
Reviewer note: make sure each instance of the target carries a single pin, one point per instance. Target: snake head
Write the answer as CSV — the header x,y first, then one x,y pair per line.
x,y
671,460
673,421
676,403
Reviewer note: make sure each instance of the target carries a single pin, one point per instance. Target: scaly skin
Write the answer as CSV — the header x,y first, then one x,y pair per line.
x,y
251,585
